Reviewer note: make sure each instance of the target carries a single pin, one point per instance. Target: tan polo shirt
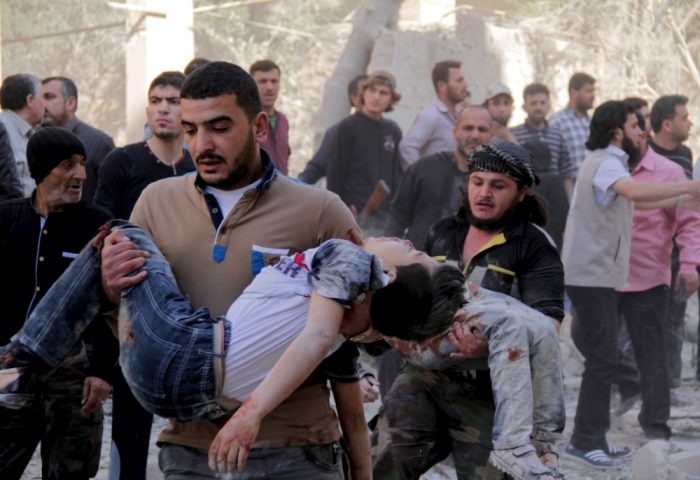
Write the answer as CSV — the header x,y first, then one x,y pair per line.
x,y
214,267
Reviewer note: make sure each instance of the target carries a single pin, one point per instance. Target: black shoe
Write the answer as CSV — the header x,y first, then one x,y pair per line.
x,y
591,458
613,451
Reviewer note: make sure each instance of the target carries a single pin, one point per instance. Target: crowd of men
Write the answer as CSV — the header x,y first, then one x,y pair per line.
x,y
611,222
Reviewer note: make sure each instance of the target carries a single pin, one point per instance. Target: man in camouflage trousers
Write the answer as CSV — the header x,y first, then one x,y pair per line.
x,y
497,240
39,238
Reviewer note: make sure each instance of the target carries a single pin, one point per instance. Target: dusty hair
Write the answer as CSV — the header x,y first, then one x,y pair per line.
x,y
418,305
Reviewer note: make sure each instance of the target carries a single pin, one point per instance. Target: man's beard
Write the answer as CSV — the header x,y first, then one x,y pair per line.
x,y
242,164
630,149
503,121
492,224
164,133
52,121
583,106
455,97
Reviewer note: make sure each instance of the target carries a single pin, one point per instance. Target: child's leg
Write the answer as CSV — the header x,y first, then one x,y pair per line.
x,y
170,354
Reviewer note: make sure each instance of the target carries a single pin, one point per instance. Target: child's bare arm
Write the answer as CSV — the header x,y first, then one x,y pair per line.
x,y
232,444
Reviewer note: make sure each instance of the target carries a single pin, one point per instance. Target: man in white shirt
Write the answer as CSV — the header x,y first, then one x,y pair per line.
x,y
596,253
431,131
22,111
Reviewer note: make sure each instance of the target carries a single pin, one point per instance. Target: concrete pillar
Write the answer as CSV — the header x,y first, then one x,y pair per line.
x,y
160,39
425,11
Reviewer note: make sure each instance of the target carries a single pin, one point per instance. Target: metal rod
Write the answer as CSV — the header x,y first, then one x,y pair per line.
x,y
64,32
223,6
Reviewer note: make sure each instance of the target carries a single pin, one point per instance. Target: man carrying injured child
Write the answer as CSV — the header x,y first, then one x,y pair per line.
x,y
184,365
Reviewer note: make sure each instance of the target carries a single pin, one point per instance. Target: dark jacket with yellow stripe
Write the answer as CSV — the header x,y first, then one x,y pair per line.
x,y
522,262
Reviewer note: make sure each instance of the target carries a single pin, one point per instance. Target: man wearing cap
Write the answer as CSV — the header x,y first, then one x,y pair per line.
x,y
39,237
499,103
497,239
365,152
431,131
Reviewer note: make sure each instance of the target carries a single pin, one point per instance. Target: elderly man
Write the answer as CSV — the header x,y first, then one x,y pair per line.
x,y
40,236
497,240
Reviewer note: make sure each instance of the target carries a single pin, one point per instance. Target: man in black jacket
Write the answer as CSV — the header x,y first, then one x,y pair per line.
x,y
39,237
429,190
497,239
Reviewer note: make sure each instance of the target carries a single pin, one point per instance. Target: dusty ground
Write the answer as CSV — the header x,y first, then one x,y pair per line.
x,y
685,423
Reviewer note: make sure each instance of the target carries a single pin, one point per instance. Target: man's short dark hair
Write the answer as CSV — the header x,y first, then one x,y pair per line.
x,y
68,88
606,119
534,89
194,64
664,109
354,85
264,66
640,119
578,80
636,103
16,88
418,306
222,78
165,79
441,71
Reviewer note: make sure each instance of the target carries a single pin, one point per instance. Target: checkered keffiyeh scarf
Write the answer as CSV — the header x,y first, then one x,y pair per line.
x,y
507,158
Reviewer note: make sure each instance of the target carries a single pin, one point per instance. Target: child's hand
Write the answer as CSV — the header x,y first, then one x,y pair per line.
x,y
229,450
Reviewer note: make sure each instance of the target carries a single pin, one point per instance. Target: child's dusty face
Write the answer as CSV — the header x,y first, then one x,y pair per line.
x,y
394,252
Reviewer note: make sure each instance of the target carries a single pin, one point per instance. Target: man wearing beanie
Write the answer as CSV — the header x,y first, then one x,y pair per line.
x,y
497,240
39,237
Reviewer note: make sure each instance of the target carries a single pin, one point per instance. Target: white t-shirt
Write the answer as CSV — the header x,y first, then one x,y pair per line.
x,y
609,171
228,199
265,319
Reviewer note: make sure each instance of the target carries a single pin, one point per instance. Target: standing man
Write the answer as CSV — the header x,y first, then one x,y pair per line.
x,y
430,189
671,124
126,171
497,240
61,100
123,175
218,229
536,130
644,301
596,258
22,111
499,103
574,121
39,237
365,152
318,166
431,131
266,74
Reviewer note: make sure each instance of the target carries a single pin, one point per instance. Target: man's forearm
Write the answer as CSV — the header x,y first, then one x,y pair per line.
x,y
351,414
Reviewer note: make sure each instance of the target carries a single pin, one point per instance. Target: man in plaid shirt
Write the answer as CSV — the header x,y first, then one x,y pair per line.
x,y
574,121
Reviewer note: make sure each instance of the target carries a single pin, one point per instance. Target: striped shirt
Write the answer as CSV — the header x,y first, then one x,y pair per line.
x,y
561,162
575,131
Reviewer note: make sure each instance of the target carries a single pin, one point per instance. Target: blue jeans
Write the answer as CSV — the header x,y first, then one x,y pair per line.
x,y
170,354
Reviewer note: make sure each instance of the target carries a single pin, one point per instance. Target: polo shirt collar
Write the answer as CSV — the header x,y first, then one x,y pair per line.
x,y
442,108
647,162
268,176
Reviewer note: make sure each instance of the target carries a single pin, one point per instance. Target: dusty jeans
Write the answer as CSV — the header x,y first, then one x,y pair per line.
x,y
170,355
